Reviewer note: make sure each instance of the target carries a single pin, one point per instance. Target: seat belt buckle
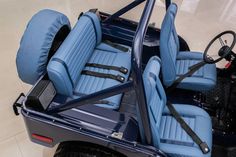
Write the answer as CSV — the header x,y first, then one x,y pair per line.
x,y
120,78
123,70
204,147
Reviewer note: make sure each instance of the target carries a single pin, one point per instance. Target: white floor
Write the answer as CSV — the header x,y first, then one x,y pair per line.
x,y
198,21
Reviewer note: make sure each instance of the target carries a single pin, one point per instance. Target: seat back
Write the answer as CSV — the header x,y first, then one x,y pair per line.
x,y
155,96
66,65
169,46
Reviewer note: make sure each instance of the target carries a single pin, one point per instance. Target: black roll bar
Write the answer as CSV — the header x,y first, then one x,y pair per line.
x,y
123,10
168,2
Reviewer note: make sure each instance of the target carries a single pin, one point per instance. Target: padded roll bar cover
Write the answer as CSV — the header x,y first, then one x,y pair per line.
x,y
32,56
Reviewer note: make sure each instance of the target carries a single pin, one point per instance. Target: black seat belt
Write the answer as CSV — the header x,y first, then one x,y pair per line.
x,y
203,145
95,102
102,75
117,46
191,71
110,67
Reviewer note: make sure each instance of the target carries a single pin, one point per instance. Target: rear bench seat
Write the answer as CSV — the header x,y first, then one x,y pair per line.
x,y
83,45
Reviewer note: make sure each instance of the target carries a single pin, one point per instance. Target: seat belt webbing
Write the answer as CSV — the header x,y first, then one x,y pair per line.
x,y
117,46
102,75
110,67
191,71
203,145
95,102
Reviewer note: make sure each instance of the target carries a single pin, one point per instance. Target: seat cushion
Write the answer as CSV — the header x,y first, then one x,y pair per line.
x,y
203,79
106,55
175,141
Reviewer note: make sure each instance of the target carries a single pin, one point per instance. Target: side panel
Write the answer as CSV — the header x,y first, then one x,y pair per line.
x,y
61,133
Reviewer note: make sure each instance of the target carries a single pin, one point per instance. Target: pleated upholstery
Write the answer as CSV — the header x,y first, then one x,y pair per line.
x,y
156,98
86,81
83,45
176,62
77,58
182,67
171,132
70,59
167,134
169,47
90,84
203,79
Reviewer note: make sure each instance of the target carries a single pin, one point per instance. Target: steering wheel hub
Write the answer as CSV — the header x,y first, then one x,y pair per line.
x,y
223,50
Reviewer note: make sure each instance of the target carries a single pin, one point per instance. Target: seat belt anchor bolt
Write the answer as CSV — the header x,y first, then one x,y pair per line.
x,y
204,147
120,78
123,70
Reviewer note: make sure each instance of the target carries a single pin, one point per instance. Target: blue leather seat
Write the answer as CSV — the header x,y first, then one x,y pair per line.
x,y
167,133
176,63
83,45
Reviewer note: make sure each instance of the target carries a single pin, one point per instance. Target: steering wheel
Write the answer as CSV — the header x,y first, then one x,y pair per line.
x,y
224,51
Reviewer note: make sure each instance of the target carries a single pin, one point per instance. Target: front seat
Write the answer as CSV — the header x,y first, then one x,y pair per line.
x,y
176,63
167,133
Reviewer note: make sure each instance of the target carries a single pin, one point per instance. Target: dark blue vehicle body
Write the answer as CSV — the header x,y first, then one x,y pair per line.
x,y
61,123
76,120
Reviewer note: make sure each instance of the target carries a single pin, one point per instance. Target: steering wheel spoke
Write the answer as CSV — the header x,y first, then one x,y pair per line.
x,y
221,42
